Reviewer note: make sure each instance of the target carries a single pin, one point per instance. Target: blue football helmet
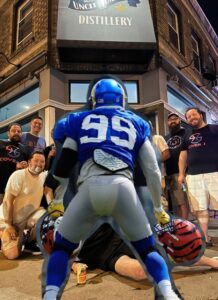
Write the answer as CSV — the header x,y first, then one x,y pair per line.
x,y
108,92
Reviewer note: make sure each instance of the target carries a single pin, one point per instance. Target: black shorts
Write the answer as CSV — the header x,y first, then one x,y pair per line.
x,y
103,249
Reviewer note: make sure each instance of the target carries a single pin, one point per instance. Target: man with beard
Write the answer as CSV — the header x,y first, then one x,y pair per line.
x,y
199,156
177,196
21,209
13,156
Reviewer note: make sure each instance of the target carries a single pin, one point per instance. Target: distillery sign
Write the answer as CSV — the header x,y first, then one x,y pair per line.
x,y
96,4
107,21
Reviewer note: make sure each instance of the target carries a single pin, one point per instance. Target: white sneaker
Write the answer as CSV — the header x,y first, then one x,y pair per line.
x,y
51,293
50,296
171,296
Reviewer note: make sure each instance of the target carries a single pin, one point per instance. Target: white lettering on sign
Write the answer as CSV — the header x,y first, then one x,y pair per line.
x,y
105,20
85,5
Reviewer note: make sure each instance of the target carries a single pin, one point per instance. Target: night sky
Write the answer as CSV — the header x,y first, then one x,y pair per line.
x,y
210,8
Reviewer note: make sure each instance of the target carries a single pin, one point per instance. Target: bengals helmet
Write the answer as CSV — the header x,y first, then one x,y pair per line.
x,y
182,240
108,92
48,228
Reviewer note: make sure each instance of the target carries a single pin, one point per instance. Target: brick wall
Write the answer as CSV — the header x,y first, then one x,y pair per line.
x,y
28,49
189,20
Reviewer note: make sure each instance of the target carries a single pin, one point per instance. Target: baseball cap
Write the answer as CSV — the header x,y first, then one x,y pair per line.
x,y
172,114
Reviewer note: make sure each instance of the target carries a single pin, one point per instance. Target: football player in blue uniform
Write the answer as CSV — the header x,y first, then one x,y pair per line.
x,y
107,141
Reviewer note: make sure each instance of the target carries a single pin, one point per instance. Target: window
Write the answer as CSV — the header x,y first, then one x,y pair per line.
x,y
196,51
25,124
78,91
132,91
212,64
19,103
24,21
173,26
178,101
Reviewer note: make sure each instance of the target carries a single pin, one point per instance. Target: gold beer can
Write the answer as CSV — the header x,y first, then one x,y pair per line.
x,y
81,273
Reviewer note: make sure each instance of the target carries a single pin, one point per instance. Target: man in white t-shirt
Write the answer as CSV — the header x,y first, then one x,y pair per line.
x,y
21,209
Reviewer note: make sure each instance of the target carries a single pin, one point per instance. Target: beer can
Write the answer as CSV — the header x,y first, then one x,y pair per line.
x,y
81,273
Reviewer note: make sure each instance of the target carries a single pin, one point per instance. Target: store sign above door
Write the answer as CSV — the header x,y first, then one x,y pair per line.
x,y
99,23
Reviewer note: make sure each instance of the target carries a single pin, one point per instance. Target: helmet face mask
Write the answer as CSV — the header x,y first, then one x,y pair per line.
x,y
107,92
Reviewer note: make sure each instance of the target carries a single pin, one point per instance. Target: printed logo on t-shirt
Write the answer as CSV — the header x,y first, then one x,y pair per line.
x,y
196,141
195,138
174,142
13,151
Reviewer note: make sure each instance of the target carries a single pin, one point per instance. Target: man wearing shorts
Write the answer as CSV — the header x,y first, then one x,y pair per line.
x,y
199,154
177,197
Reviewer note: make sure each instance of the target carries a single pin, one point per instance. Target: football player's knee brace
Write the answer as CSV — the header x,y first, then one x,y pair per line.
x,y
61,243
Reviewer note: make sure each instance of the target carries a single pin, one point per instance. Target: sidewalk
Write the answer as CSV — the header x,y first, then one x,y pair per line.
x,y
21,279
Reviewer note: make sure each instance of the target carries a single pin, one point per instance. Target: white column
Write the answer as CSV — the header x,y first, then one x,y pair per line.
x,y
49,121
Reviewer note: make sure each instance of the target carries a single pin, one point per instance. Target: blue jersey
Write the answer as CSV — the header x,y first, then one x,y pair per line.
x,y
59,133
117,132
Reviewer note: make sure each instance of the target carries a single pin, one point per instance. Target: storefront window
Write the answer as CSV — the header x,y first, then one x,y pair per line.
x,y
178,101
25,125
78,91
20,103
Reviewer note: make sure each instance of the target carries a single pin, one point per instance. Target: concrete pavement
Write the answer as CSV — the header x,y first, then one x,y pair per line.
x,y
20,279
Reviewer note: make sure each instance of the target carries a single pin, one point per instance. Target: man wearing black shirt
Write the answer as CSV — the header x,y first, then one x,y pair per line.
x,y
13,156
200,154
174,140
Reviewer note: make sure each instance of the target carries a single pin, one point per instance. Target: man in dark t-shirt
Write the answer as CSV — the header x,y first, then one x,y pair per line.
x,y
200,154
174,139
32,140
13,156
103,249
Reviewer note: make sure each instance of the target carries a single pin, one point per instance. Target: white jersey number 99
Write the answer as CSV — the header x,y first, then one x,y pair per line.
x,y
100,124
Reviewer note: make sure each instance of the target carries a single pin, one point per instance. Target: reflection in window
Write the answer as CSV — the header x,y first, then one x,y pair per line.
x,y
178,101
19,103
78,91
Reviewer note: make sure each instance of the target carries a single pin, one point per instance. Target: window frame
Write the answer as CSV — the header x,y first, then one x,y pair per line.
x,y
72,81
197,52
19,21
212,63
175,30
